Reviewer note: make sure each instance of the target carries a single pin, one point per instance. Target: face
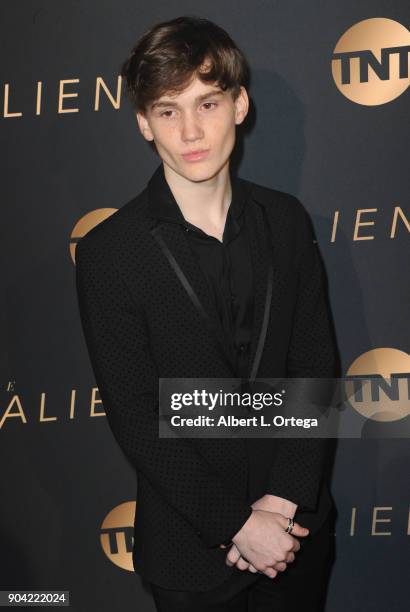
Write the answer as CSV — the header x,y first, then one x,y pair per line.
x,y
194,131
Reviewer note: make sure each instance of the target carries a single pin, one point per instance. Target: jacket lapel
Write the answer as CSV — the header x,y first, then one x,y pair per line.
x,y
176,248
259,233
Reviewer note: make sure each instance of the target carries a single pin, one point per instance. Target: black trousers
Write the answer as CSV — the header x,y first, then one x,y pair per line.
x,y
300,588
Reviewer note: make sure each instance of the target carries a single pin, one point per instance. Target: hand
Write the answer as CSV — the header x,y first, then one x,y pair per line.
x,y
264,544
271,503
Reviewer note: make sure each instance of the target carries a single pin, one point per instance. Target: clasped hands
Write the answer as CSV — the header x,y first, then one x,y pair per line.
x,y
262,545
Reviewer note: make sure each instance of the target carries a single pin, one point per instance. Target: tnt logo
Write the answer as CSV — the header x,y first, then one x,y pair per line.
x,y
117,535
378,384
86,223
370,63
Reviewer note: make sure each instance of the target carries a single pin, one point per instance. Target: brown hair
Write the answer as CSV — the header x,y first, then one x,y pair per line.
x,y
169,55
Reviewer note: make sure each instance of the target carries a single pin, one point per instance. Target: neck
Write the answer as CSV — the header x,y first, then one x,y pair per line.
x,y
200,201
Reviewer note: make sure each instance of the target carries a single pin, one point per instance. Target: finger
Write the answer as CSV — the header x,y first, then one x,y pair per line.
x,y
297,529
270,572
252,569
280,566
242,564
290,557
295,545
232,556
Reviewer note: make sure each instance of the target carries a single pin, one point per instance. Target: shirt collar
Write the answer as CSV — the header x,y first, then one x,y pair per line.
x,y
162,204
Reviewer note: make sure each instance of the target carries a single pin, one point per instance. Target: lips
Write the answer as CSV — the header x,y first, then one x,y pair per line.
x,y
195,155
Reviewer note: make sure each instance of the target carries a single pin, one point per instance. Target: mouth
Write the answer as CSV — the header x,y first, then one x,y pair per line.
x,y
195,155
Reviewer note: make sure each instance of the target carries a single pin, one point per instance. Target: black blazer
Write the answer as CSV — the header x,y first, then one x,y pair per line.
x,y
146,313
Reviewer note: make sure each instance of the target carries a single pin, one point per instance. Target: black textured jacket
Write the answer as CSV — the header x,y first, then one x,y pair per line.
x,y
146,313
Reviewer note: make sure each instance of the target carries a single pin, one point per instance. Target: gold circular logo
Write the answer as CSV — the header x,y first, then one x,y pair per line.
x,y
86,223
370,63
378,387
117,537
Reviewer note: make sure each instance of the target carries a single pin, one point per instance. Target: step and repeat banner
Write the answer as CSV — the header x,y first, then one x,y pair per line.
x,y
329,123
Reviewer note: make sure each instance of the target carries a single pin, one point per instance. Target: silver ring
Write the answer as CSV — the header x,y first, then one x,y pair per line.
x,y
290,525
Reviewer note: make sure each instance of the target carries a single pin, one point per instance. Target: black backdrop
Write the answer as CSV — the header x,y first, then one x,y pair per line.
x,y
62,472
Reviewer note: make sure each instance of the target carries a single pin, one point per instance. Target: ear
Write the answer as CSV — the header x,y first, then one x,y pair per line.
x,y
241,105
144,126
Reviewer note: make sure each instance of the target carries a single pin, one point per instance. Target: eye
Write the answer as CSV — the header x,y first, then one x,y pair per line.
x,y
208,104
166,114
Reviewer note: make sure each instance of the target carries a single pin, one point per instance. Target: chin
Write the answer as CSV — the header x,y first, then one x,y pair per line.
x,y
199,172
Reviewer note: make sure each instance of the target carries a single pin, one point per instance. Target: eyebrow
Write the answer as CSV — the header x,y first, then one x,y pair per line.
x,y
163,103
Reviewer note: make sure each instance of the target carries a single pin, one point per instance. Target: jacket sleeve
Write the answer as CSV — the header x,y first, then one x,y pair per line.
x,y
118,346
299,463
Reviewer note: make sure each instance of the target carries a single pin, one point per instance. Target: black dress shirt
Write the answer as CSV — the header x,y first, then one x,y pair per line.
x,y
226,265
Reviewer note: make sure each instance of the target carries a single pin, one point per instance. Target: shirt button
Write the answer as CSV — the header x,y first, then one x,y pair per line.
x,y
242,348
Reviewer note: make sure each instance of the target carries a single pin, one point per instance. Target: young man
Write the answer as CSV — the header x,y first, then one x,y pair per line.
x,y
206,275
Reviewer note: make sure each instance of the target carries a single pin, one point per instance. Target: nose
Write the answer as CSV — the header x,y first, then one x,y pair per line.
x,y
191,129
